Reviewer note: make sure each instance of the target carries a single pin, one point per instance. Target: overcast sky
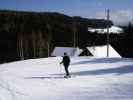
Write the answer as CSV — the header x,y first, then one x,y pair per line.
x,y
121,11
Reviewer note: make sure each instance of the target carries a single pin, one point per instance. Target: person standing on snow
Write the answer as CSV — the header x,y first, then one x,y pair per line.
x,y
66,63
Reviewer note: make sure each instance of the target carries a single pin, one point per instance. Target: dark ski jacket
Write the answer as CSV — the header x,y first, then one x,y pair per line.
x,y
66,60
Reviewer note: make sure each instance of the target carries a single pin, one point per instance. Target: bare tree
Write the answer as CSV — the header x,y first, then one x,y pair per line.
x,y
34,44
49,38
21,49
41,44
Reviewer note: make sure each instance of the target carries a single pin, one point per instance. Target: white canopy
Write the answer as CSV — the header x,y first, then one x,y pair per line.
x,y
101,51
59,51
112,29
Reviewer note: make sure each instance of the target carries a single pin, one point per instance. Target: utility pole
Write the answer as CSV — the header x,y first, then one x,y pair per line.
x,y
108,17
74,35
74,44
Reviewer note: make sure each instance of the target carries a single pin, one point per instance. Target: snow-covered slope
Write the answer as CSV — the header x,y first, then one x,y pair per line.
x,y
92,79
112,29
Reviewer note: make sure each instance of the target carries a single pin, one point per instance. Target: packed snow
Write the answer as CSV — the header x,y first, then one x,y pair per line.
x,y
112,29
91,79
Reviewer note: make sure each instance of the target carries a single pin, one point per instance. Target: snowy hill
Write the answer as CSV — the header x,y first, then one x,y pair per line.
x,y
92,79
112,29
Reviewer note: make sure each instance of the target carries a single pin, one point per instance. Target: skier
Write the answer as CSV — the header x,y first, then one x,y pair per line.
x,y
66,63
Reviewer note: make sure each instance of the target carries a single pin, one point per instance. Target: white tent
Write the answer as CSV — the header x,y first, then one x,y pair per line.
x,y
59,51
101,51
112,29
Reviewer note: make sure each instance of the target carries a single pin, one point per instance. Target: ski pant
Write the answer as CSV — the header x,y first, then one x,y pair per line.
x,y
66,69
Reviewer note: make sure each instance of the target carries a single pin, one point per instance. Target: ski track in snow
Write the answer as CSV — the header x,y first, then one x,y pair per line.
x,y
92,79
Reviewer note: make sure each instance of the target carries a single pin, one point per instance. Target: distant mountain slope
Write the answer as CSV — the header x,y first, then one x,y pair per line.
x,y
25,35
97,23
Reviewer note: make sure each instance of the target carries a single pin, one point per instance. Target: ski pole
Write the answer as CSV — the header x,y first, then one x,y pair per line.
x,y
60,69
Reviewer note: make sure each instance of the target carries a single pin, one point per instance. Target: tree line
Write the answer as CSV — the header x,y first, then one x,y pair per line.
x,y
25,35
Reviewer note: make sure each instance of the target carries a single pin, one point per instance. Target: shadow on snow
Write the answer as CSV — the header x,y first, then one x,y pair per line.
x,y
43,77
103,60
118,71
